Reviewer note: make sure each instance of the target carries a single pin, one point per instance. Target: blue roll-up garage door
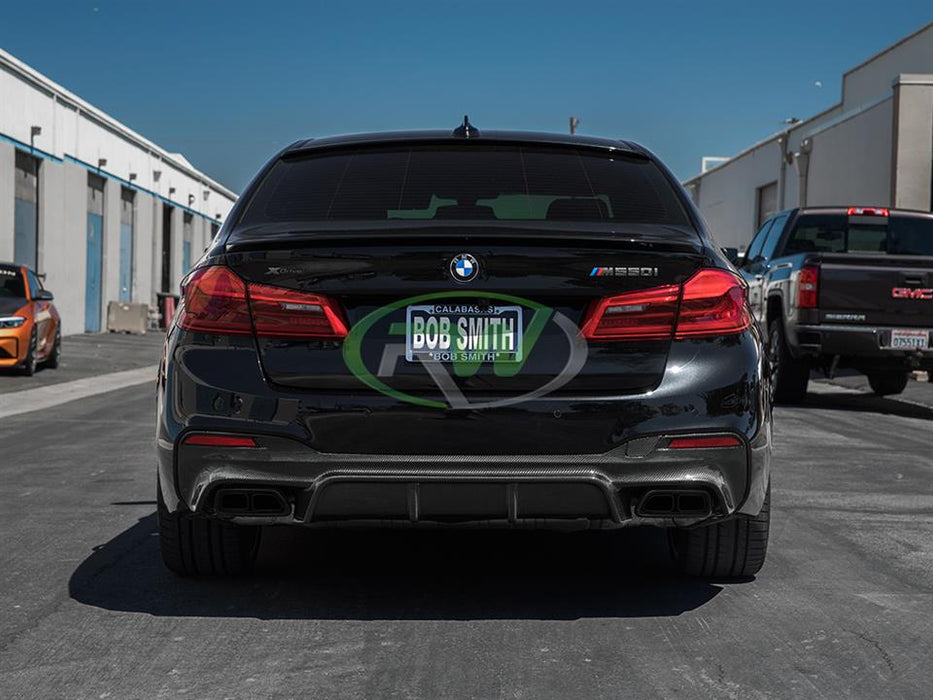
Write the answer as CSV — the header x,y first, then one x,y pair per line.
x,y
26,210
127,201
95,252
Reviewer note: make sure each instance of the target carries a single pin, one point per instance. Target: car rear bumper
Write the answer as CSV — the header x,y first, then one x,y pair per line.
x,y
362,456
868,342
599,490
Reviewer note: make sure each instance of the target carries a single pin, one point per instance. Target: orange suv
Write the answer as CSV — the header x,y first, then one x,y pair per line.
x,y
30,327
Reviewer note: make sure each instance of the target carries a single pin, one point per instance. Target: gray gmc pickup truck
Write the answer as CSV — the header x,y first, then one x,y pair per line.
x,y
843,287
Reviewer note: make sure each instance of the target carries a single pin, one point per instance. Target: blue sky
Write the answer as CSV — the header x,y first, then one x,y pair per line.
x,y
229,83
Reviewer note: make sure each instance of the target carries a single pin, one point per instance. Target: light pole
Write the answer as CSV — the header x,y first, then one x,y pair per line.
x,y
574,123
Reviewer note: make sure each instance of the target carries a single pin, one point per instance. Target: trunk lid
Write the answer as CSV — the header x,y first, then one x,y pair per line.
x,y
550,275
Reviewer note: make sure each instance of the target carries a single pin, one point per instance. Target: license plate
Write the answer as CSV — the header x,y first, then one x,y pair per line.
x,y
909,339
463,333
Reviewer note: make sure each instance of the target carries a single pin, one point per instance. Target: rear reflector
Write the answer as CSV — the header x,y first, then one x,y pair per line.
x,y
688,443
868,211
808,287
217,300
710,303
220,441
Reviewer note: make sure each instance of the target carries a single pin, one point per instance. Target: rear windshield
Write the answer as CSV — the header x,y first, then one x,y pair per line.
x,y
838,233
466,182
11,282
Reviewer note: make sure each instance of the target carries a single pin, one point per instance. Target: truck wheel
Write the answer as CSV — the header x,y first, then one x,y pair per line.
x,y
789,376
735,548
888,382
193,545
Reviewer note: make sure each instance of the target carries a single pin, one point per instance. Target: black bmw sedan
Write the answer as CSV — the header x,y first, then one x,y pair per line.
x,y
458,329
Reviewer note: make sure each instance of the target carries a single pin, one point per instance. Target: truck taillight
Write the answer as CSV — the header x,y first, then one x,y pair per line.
x,y
710,303
808,287
217,300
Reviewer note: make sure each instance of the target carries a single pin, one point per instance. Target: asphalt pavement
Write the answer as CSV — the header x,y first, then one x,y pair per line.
x,y
843,608
89,355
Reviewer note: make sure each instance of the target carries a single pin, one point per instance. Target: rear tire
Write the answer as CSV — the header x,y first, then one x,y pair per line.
x,y
193,545
789,376
55,356
888,382
733,549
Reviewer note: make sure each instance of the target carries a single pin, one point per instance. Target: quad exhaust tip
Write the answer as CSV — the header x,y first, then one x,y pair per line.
x,y
255,503
675,503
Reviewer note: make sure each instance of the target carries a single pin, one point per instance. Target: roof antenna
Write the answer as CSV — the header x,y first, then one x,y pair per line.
x,y
466,130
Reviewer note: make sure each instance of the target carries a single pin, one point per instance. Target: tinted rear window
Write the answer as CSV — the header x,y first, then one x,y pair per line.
x,y
466,182
838,233
11,282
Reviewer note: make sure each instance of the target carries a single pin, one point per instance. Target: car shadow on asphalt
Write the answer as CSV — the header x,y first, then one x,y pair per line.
x,y
867,403
403,575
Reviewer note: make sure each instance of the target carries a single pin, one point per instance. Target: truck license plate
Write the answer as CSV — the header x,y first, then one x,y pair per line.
x,y
904,339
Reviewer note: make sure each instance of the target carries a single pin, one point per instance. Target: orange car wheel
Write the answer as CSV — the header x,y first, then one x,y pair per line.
x,y
29,364
55,356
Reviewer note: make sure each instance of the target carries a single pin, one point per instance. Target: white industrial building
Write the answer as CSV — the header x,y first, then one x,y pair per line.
x,y
104,213
873,148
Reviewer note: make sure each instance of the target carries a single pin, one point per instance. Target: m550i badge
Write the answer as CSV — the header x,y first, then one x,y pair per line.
x,y
624,272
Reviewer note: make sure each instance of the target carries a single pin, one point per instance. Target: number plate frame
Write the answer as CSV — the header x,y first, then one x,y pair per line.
x,y
909,339
454,313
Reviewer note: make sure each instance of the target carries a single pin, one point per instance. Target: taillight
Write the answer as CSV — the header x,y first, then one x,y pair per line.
x,y
710,303
808,287
285,313
642,315
713,303
217,300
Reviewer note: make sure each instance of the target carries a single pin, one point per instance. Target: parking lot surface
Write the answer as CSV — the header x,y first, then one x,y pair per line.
x,y
89,356
843,607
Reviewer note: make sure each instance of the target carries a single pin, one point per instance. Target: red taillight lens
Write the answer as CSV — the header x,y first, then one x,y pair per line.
x,y
217,300
713,303
808,287
220,441
642,315
285,313
692,443
710,303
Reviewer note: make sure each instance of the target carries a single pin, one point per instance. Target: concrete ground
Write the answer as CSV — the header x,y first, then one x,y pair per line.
x,y
89,356
843,608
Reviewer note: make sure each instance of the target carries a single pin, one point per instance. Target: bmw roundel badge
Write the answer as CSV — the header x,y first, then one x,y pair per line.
x,y
464,268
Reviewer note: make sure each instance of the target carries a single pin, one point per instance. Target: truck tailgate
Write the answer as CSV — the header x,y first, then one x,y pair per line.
x,y
877,290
